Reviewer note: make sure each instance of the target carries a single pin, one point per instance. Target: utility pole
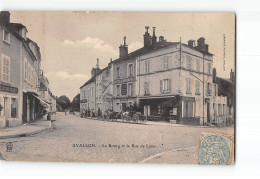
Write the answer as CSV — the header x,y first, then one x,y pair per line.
x,y
203,89
180,69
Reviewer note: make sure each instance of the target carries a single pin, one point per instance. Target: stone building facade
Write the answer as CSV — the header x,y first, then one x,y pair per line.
x,y
168,80
20,71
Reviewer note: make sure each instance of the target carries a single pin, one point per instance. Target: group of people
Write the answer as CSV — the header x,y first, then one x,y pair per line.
x,y
87,113
90,113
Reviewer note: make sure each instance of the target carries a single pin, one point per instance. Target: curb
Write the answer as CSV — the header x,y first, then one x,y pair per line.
x,y
25,134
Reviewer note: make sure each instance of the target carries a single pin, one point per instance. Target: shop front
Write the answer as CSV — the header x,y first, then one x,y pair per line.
x,y
164,108
9,106
33,107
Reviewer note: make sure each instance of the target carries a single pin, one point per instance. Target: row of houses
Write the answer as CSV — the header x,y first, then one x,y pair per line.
x,y
24,91
168,80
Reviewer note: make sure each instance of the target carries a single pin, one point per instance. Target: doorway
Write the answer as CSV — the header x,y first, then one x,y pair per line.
x,y
208,112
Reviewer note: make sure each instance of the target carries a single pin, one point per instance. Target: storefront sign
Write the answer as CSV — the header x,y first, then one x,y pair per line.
x,y
124,89
8,89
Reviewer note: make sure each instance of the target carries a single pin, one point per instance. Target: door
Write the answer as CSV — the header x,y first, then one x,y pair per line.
x,y
147,110
208,113
6,108
123,106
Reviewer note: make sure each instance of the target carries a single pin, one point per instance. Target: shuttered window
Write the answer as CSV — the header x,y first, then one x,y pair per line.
x,y
188,86
165,85
5,69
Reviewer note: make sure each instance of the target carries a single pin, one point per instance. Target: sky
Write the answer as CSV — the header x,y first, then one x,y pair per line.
x,y
70,42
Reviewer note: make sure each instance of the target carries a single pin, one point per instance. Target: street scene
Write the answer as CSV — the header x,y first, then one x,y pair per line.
x,y
153,142
117,87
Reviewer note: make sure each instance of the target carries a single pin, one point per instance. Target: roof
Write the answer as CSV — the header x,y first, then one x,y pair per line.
x,y
156,46
224,79
92,79
144,50
17,26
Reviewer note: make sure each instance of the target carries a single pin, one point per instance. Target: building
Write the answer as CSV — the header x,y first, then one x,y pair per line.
x,y
223,99
169,81
171,77
20,70
87,95
124,79
96,93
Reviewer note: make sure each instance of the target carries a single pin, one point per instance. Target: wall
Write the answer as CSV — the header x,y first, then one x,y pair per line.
x,y
11,50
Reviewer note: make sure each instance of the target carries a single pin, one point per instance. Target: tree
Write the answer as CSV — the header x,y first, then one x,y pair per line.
x,y
75,104
64,102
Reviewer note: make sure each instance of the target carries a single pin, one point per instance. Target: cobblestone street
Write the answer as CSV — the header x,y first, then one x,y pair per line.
x,y
78,139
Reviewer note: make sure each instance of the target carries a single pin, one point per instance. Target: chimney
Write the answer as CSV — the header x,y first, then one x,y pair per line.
x,y
206,47
147,38
97,66
154,38
4,18
201,43
123,49
95,71
161,39
191,43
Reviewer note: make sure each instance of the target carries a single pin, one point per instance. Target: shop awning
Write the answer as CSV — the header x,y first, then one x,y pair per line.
x,y
43,103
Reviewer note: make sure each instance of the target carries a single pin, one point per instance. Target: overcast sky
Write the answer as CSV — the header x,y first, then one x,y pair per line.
x,y
70,42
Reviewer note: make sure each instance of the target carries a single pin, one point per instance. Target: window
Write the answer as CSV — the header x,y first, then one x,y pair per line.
x,y
146,88
224,110
91,91
209,88
25,69
188,109
198,65
197,88
5,69
118,106
84,94
188,86
219,110
6,36
166,85
13,108
100,93
130,70
118,90
118,72
189,62
209,68
28,73
130,89
166,63
147,67
216,89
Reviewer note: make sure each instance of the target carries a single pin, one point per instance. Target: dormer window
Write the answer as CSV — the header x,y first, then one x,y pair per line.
x,y
6,36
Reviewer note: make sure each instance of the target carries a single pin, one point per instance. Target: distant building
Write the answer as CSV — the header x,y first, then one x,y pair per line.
x,y
96,93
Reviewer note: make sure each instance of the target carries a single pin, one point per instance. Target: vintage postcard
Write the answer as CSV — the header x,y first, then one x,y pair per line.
x,y
117,87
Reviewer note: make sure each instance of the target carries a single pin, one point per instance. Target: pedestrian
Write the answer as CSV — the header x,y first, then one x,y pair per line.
x,y
48,117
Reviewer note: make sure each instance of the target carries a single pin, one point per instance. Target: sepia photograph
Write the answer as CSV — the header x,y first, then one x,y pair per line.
x,y
118,87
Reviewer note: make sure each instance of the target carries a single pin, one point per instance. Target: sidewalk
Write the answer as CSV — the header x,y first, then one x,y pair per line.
x,y
25,130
